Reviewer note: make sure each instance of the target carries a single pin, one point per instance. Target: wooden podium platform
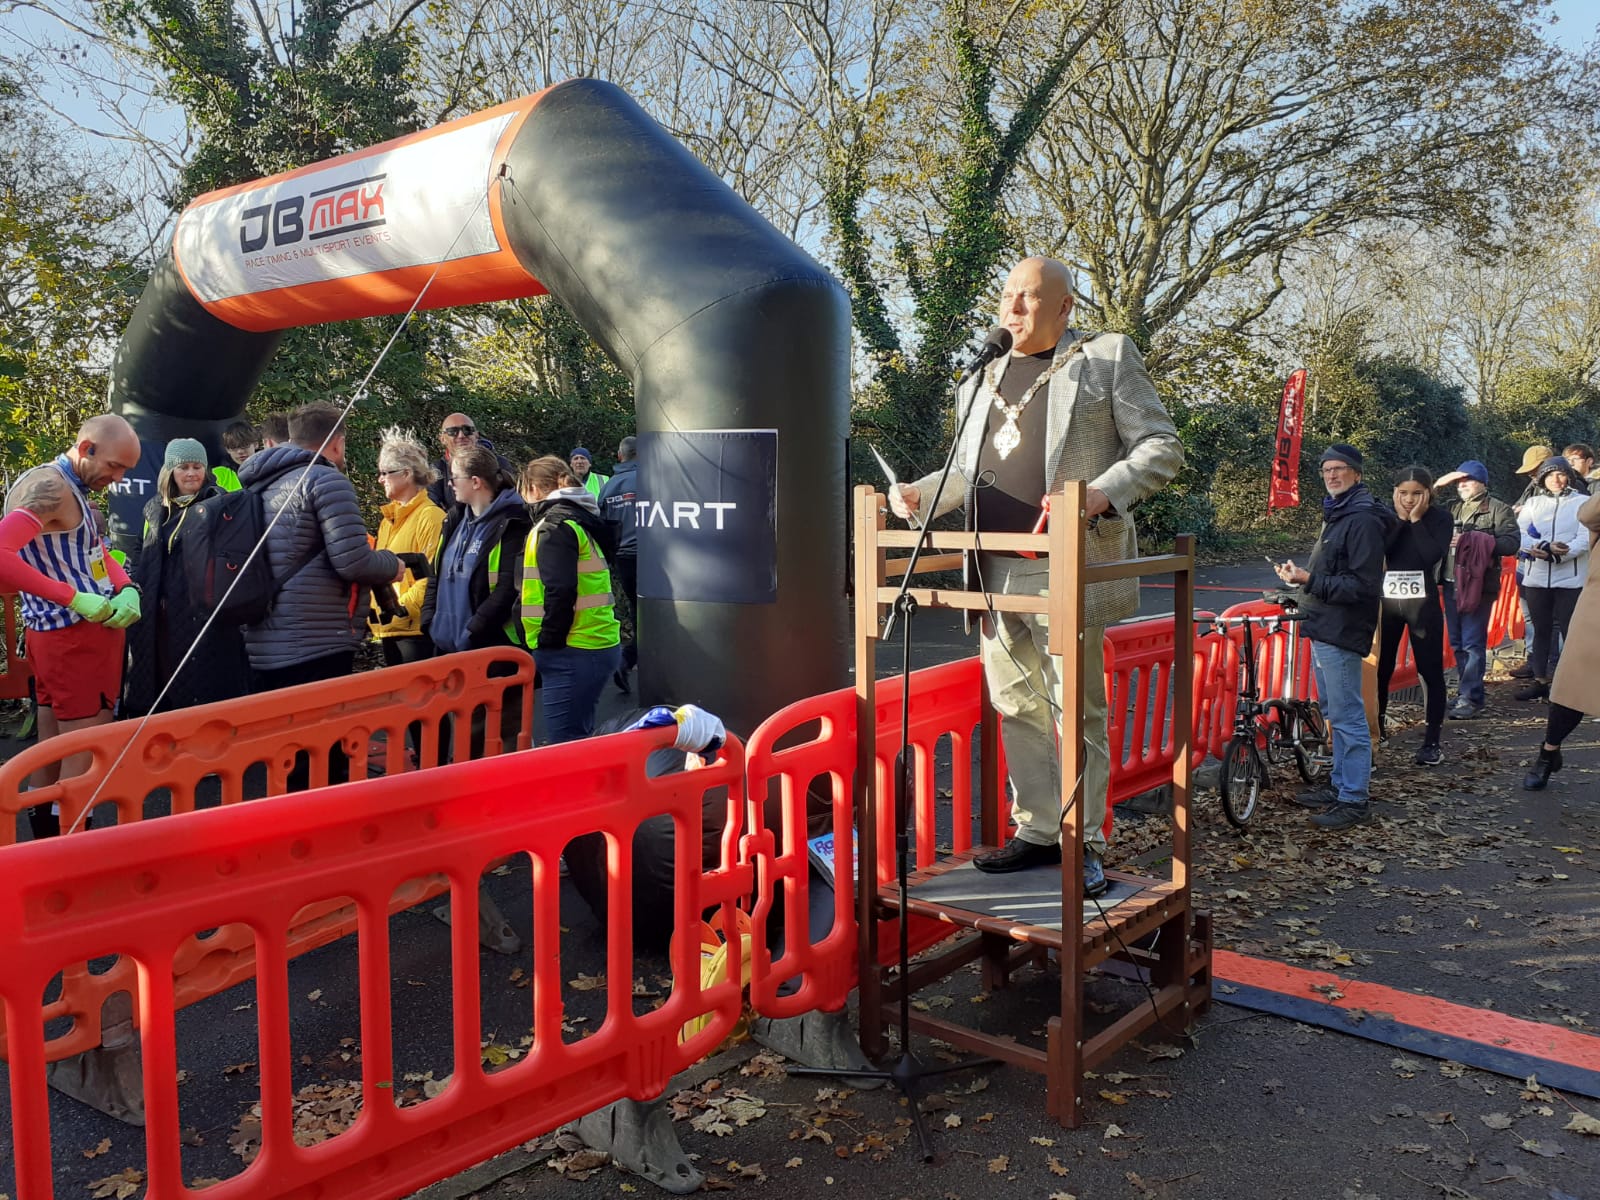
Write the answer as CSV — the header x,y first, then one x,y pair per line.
x,y
1144,928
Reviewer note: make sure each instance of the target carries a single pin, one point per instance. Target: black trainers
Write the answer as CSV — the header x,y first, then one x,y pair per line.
x,y
1018,855
1342,816
1429,756
1522,672
1320,797
1534,689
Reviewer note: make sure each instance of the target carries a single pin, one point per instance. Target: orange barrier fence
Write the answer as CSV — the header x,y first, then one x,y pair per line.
x,y
250,744
1139,667
16,672
945,703
143,890
1505,621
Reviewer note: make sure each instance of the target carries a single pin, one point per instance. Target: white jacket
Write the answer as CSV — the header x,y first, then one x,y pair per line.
x,y
1547,518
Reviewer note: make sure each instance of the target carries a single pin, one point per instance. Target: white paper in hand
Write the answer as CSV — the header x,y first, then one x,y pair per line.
x,y
888,474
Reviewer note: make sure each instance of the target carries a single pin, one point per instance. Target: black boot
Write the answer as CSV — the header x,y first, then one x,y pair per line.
x,y
1546,765
1536,689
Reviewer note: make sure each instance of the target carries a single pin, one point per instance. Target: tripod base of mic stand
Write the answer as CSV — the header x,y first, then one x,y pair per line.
x,y
906,1073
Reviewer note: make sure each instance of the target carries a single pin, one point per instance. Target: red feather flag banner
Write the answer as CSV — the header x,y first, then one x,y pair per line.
x,y
1286,449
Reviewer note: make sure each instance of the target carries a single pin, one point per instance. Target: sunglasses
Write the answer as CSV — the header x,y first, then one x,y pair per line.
x,y
457,430
382,474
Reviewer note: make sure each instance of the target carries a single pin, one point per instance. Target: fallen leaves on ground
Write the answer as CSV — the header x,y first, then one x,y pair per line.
x,y
97,1151
119,1186
715,1108
321,1111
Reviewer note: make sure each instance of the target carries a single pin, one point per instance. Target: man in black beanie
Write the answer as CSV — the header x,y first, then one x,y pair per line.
x,y
1342,586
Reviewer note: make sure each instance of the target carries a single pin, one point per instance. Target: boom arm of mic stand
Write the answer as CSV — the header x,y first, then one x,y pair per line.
x,y
933,505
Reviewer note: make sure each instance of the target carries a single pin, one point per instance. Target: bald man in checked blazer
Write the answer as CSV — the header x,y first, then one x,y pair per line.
x,y
1063,405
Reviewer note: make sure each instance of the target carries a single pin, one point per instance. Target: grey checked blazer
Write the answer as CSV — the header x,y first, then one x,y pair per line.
x,y
1106,426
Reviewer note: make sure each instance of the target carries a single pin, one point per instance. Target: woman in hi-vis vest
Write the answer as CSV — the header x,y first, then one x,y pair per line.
x,y
568,621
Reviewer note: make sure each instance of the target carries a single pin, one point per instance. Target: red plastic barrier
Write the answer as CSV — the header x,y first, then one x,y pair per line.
x,y
945,702
176,753
16,672
1139,667
778,757
142,890
1505,619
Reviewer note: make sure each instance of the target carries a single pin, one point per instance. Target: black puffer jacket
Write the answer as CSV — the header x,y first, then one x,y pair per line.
x,y
557,556
171,624
1346,570
322,609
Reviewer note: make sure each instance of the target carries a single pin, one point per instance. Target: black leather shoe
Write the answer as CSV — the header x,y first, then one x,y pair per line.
x,y
1018,855
1320,798
1522,672
1342,816
1546,765
1535,689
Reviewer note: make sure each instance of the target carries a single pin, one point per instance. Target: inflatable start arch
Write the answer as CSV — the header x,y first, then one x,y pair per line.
x,y
736,340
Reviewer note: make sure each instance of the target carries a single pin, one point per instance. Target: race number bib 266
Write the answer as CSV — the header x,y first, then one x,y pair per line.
x,y
1403,585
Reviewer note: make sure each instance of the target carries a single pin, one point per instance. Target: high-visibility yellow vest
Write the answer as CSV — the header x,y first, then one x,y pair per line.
x,y
227,478
513,627
594,623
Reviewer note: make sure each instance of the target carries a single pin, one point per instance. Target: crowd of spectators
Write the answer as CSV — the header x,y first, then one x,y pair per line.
x,y
1430,563
470,552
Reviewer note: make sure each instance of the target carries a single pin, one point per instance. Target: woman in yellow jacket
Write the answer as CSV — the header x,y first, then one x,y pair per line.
x,y
411,525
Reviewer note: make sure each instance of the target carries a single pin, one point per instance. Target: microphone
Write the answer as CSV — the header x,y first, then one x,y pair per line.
x,y
995,343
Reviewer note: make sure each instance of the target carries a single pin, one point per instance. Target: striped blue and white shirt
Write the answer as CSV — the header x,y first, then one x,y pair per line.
x,y
75,556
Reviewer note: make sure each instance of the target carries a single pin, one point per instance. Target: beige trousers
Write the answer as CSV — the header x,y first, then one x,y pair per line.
x,y
1021,673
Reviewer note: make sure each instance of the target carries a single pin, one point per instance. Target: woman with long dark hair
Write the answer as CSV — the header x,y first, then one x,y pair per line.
x,y
1416,551
472,598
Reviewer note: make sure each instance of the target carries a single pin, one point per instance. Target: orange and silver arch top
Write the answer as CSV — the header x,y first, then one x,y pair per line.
x,y
359,235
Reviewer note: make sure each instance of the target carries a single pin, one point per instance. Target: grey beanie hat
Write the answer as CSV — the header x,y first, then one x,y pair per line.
x,y
182,450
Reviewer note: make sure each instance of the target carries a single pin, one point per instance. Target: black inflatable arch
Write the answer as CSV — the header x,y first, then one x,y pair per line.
x,y
723,323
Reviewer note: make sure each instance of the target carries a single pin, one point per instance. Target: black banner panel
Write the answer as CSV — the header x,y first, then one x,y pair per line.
x,y
707,512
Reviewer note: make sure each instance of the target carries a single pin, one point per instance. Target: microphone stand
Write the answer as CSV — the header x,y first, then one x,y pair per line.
x,y
908,1071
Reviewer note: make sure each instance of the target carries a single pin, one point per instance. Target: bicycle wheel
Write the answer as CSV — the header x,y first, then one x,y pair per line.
x,y
1242,776
1313,748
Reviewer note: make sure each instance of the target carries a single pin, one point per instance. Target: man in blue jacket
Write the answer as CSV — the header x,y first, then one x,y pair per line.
x,y
1343,586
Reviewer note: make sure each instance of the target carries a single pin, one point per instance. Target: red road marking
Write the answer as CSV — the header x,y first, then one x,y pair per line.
x,y
1422,1012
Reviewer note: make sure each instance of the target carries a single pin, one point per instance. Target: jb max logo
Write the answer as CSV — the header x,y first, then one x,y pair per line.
x,y
324,213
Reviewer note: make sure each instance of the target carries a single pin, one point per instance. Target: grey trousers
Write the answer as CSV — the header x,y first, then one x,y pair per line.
x,y
1021,673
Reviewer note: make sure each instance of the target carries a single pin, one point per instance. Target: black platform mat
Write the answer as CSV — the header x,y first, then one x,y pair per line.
x,y
1031,896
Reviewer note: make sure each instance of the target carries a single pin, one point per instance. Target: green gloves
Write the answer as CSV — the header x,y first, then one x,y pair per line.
x,y
92,606
124,609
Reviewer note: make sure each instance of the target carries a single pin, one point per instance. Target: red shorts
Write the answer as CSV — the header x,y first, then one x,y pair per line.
x,y
77,670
